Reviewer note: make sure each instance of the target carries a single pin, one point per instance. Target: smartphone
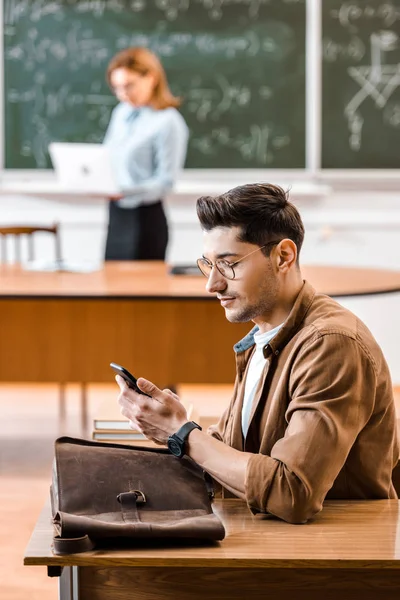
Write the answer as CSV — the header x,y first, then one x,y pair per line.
x,y
128,377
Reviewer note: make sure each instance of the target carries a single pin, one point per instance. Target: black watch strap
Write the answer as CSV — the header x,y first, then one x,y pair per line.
x,y
177,441
184,431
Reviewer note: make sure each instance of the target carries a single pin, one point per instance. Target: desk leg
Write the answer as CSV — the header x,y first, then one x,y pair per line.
x,y
68,584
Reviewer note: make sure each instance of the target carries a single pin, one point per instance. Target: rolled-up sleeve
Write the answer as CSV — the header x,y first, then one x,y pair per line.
x,y
332,389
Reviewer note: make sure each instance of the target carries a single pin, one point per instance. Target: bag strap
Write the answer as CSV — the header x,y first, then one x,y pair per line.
x,y
129,502
72,545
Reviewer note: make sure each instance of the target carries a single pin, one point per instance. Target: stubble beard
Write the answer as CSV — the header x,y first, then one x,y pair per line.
x,y
249,313
268,294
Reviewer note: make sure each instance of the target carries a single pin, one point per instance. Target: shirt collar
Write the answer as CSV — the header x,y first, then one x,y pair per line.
x,y
292,323
130,112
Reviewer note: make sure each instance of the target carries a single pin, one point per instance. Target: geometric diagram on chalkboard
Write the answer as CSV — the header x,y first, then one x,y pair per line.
x,y
377,81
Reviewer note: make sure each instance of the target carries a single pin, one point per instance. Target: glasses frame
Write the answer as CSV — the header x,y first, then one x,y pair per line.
x,y
231,265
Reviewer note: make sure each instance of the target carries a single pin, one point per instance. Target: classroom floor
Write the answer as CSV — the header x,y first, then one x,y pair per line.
x,y
29,423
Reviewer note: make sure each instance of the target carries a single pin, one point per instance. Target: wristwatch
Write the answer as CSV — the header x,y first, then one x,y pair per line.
x,y
177,441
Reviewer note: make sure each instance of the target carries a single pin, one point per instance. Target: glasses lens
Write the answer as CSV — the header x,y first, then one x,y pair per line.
x,y
204,266
225,269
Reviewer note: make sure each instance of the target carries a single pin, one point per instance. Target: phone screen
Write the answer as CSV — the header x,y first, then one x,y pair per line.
x,y
128,377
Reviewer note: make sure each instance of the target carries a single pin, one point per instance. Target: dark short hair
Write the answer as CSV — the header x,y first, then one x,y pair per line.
x,y
261,210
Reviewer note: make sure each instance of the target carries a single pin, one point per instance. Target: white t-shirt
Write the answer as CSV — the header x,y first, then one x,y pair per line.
x,y
255,369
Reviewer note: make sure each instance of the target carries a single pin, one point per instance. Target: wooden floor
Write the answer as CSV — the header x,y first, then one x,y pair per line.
x,y
29,423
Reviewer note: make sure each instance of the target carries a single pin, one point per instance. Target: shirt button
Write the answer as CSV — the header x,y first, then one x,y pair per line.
x,y
276,352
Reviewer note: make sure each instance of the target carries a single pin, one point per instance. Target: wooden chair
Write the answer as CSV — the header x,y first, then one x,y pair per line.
x,y
27,230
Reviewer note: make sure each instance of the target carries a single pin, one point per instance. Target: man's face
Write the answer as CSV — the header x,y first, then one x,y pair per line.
x,y
253,294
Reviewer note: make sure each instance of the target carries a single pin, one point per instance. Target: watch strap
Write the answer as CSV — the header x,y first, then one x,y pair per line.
x,y
184,431
177,441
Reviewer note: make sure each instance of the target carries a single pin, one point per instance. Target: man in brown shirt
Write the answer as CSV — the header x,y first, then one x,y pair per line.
x,y
312,414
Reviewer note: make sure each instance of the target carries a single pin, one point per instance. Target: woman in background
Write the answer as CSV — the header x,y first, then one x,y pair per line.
x,y
148,141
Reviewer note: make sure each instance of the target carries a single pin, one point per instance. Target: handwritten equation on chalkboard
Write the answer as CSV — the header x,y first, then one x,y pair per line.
x,y
361,98
238,65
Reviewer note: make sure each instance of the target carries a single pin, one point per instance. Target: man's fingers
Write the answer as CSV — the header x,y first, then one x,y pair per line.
x,y
147,386
171,393
134,425
122,383
127,410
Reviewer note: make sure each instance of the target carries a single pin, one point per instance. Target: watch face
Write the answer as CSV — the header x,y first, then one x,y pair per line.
x,y
174,447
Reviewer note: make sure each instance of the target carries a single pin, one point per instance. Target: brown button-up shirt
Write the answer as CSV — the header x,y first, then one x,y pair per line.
x,y
323,421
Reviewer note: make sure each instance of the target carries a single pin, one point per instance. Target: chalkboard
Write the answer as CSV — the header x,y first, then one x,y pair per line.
x,y
238,64
361,84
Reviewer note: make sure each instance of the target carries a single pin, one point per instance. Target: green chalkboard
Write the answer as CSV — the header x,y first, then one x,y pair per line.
x,y
238,64
361,84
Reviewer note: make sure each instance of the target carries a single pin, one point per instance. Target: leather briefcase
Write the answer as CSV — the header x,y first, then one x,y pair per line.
x,y
104,492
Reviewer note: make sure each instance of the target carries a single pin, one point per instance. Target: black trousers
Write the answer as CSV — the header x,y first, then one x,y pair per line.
x,y
137,233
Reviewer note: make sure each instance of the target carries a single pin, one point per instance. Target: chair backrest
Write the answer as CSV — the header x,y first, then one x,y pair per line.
x,y
27,230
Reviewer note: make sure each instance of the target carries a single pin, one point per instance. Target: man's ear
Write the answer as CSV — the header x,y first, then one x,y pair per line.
x,y
286,253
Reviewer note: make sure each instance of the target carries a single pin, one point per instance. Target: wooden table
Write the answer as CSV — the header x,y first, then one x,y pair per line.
x,y
68,327
351,550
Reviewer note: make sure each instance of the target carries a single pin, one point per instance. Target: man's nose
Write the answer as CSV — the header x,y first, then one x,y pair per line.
x,y
216,282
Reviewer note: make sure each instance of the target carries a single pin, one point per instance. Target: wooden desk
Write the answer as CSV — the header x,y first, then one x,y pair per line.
x,y
351,550
68,327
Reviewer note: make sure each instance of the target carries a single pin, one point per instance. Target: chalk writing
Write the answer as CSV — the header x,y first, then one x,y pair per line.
x,y
351,15
361,82
377,81
56,53
14,10
258,144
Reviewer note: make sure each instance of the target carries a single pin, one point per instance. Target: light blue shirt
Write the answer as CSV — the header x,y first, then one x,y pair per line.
x,y
148,149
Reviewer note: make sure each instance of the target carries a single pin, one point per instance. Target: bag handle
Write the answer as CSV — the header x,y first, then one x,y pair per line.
x,y
72,545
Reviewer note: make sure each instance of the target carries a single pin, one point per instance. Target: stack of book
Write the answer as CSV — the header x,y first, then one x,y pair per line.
x,y
110,426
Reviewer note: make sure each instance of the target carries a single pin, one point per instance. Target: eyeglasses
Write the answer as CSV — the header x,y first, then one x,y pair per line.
x,y
224,267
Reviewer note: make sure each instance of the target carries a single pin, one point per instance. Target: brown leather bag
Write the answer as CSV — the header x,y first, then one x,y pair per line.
x,y
104,492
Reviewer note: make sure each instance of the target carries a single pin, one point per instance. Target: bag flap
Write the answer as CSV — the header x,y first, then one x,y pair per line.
x,y
89,476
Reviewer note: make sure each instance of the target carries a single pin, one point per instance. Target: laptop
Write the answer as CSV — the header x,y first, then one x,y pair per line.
x,y
83,168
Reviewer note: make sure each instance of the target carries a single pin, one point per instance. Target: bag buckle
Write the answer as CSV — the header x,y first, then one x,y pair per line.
x,y
140,498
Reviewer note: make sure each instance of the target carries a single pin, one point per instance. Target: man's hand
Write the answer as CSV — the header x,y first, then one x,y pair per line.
x,y
157,417
163,414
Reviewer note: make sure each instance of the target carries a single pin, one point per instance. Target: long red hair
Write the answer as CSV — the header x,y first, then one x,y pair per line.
x,y
143,61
